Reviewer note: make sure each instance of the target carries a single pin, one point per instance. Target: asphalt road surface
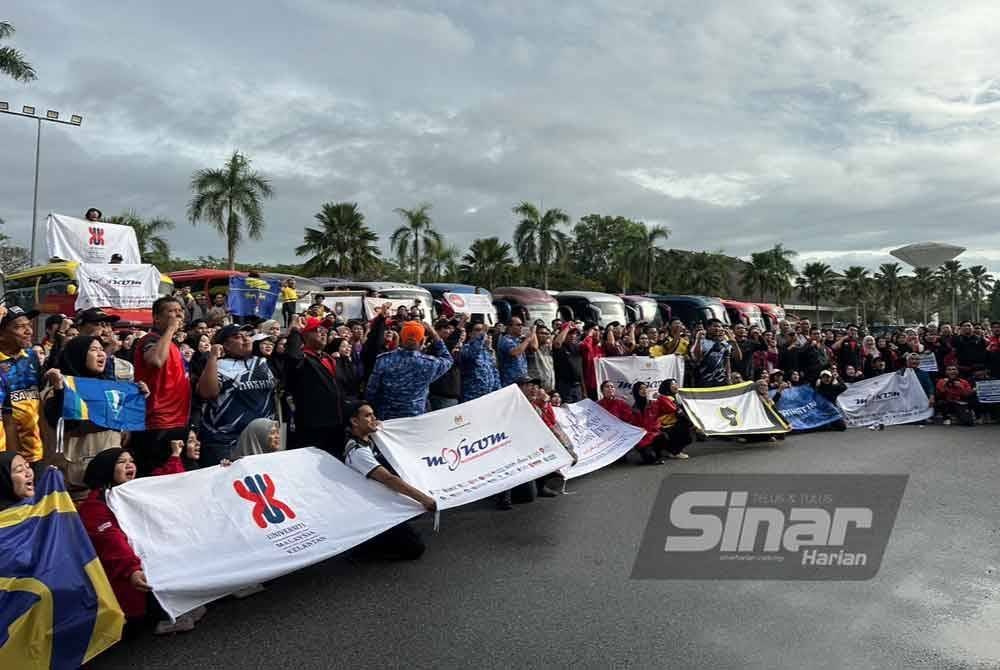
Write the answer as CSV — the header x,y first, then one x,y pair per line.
x,y
547,585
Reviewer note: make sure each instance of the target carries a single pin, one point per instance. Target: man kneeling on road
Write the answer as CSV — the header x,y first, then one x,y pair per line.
x,y
361,454
954,395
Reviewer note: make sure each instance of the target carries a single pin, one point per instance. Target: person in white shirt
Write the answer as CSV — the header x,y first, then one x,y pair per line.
x,y
361,454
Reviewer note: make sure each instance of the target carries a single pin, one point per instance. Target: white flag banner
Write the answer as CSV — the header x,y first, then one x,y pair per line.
x,y
474,450
117,286
888,399
598,437
203,534
928,362
89,241
988,391
345,307
731,410
625,371
469,303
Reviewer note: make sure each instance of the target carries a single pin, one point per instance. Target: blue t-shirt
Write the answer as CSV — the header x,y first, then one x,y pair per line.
x,y
511,367
246,392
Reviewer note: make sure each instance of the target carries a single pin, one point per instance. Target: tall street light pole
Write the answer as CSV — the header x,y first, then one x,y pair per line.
x,y
52,116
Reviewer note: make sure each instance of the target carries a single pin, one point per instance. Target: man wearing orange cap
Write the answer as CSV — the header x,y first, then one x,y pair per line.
x,y
400,381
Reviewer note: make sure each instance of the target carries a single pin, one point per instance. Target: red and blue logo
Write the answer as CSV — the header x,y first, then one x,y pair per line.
x,y
259,489
96,236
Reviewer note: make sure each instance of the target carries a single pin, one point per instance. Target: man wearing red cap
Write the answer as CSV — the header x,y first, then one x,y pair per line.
x,y
401,379
311,380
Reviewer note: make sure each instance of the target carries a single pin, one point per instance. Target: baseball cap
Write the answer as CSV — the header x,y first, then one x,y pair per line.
x,y
262,336
94,315
54,320
226,332
528,380
312,323
15,312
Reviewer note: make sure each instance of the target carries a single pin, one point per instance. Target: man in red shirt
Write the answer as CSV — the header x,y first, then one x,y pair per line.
x,y
591,350
158,362
953,395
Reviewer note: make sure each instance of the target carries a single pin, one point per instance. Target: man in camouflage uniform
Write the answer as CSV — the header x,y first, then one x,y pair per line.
x,y
400,381
479,370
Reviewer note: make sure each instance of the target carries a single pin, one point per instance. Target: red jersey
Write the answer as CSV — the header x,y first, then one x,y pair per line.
x,y
618,408
169,402
590,351
953,391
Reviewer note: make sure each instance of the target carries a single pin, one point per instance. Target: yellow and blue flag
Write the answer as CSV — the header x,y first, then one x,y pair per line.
x,y
253,296
57,609
108,404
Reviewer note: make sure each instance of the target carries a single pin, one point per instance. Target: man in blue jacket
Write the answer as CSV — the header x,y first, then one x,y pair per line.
x,y
400,382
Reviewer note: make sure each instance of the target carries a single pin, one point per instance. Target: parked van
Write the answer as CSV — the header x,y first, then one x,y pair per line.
x,y
772,315
645,309
746,313
454,299
527,303
692,309
601,308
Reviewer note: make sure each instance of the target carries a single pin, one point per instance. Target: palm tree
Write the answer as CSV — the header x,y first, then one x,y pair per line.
x,y
487,262
344,246
953,275
890,281
12,62
924,282
441,261
782,271
538,239
230,199
817,281
854,287
757,273
647,251
980,283
406,239
703,275
153,248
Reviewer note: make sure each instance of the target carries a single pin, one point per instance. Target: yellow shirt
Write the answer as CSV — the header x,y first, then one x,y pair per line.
x,y
288,294
20,378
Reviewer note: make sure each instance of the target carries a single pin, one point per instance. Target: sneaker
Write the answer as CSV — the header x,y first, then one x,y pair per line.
x,y
182,625
247,591
198,613
680,456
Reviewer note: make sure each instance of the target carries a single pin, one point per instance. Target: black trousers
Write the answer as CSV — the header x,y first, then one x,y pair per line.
x,y
399,543
288,312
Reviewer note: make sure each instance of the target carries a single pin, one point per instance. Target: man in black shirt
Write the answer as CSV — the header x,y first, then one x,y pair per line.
x,y
970,351
568,363
848,350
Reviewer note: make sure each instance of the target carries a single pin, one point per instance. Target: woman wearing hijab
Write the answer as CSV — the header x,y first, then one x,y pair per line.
x,y
674,424
17,479
261,436
106,470
645,416
346,374
82,356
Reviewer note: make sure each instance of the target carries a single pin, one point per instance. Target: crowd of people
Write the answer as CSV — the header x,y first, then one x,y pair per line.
x,y
218,388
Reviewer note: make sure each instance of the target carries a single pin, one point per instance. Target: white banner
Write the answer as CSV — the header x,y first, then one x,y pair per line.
x,y
888,399
731,410
474,450
345,307
988,391
928,362
469,303
203,534
116,286
625,371
598,438
89,241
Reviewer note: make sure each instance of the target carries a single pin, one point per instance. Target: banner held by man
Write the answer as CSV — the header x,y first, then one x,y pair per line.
x,y
598,438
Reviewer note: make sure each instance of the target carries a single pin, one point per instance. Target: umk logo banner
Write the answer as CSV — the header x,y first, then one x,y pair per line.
x,y
74,239
470,452
796,527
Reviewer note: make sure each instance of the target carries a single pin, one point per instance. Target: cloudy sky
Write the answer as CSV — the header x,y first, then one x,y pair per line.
x,y
841,129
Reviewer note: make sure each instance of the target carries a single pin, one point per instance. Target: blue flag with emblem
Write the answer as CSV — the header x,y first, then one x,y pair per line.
x,y
108,404
253,296
804,409
57,609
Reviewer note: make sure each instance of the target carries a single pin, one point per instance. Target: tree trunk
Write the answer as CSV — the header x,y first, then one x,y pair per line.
x,y
230,247
416,257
